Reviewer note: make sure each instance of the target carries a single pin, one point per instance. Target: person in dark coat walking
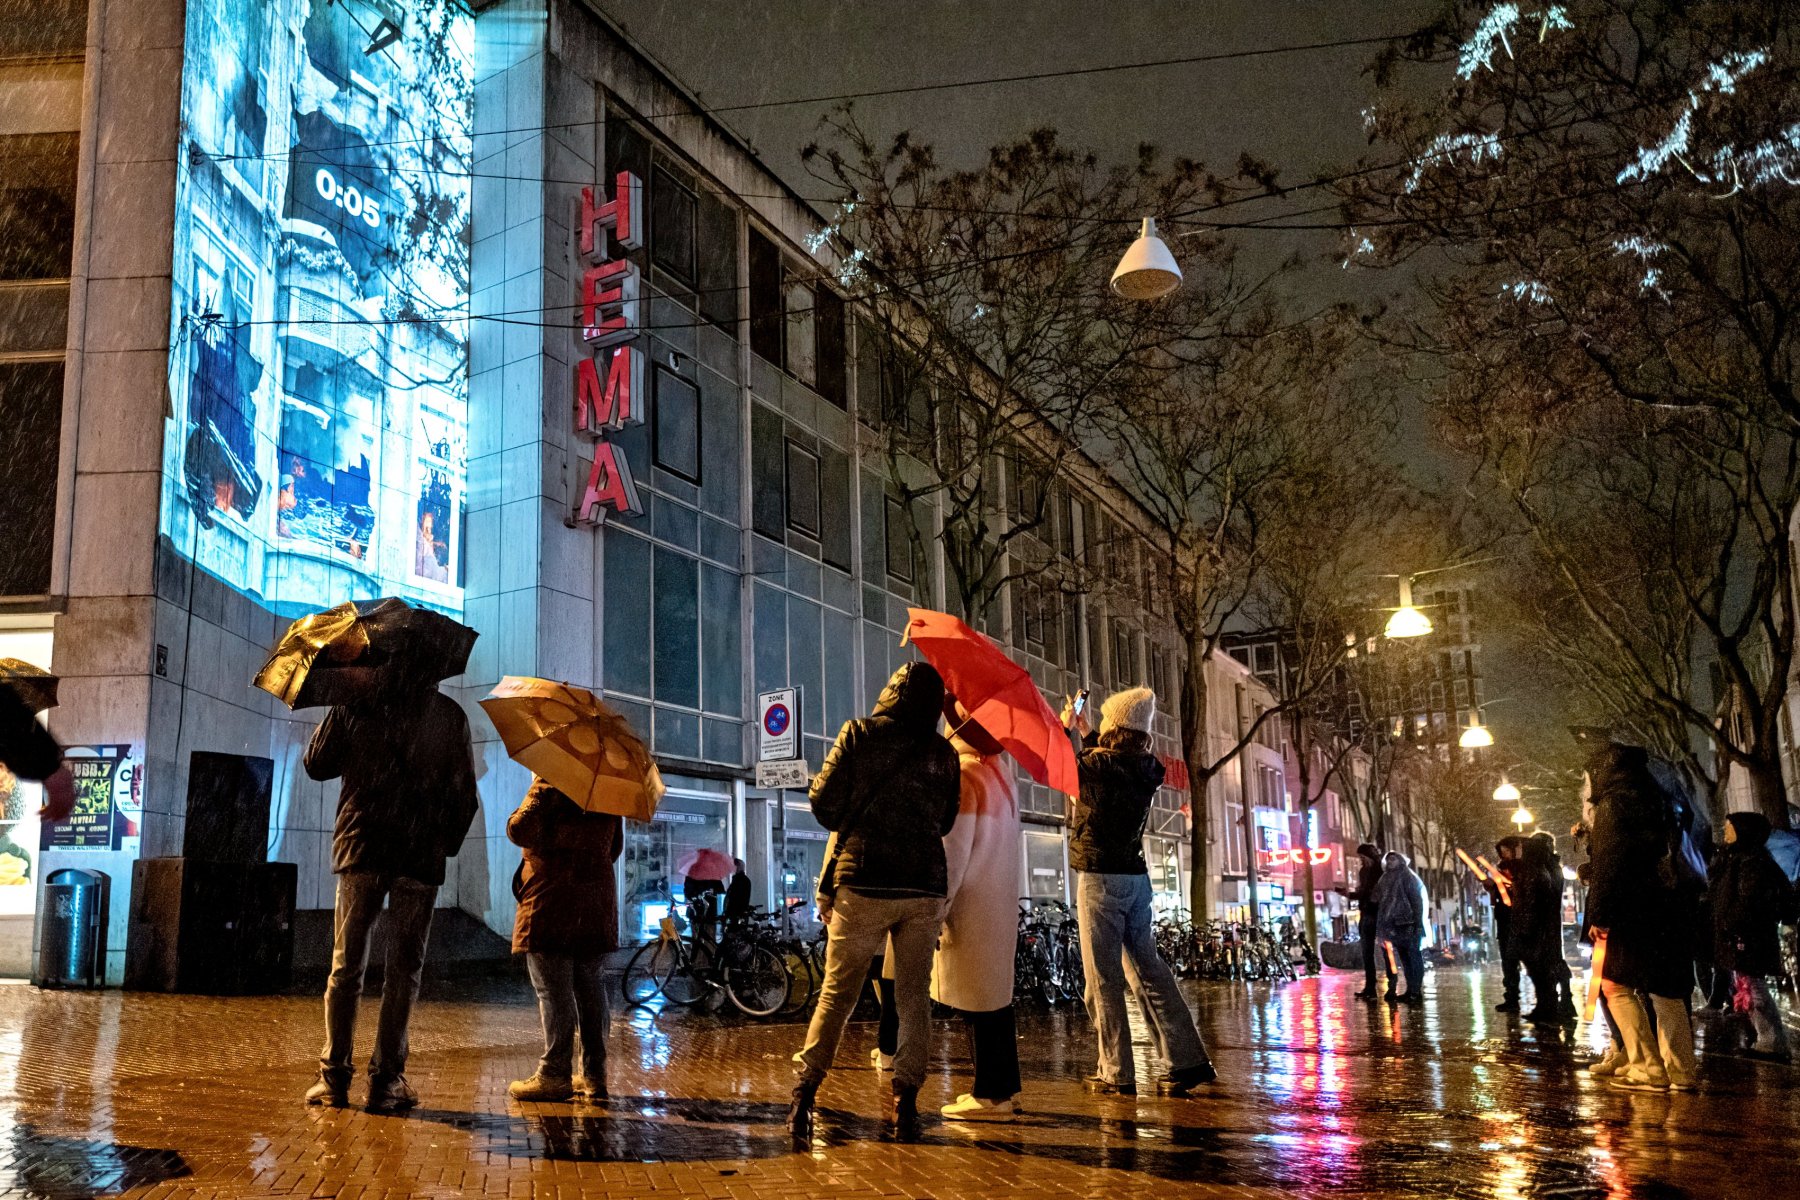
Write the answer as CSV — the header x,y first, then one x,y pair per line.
x,y
1537,926
1505,904
1640,921
1368,878
1400,922
567,922
888,792
1750,896
407,800
1119,777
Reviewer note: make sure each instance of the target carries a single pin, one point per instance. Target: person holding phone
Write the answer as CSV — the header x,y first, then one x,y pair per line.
x,y
1119,777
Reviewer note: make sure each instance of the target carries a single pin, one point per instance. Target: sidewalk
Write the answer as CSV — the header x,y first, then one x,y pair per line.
x,y
1319,1094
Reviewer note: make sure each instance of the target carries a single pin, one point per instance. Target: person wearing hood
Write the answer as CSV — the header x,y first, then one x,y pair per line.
x,y
1537,926
1368,880
1750,896
973,971
1400,922
1119,777
889,793
1639,922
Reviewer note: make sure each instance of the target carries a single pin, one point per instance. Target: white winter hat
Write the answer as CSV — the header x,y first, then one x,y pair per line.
x,y
1133,708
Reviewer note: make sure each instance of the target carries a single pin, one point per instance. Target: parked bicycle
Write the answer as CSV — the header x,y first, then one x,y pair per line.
x,y
746,964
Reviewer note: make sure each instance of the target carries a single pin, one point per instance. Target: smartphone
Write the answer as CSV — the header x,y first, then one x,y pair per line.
x,y
1080,702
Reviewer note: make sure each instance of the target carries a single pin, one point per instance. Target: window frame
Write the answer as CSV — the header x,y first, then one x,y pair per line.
x,y
791,448
659,176
662,371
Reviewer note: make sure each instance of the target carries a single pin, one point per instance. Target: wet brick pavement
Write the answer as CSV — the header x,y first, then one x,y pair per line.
x,y
103,1094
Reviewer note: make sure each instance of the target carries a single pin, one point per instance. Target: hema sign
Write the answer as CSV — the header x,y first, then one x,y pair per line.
x,y
609,383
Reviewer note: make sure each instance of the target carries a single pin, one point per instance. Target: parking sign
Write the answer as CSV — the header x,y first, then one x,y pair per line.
x,y
778,725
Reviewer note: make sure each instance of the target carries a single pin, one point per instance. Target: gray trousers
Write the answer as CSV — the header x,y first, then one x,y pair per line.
x,y
570,997
860,927
360,895
1118,950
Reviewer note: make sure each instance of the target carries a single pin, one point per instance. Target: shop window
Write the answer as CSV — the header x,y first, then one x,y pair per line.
x,y
801,325
672,226
767,328
834,507
31,396
830,382
802,490
768,474
899,540
717,239
677,425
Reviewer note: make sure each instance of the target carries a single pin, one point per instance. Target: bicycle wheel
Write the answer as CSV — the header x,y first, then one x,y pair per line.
x,y
683,971
758,983
801,985
640,982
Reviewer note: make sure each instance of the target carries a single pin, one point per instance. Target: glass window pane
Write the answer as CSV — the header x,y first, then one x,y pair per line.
x,y
831,356
718,262
677,632
802,335
803,489
722,668
627,648
806,661
677,416
30,427
766,329
840,671
834,507
769,638
37,205
899,541
767,473
672,235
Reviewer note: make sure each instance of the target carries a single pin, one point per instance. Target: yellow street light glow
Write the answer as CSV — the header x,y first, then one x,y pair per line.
x,y
1507,793
1476,736
1522,817
1407,621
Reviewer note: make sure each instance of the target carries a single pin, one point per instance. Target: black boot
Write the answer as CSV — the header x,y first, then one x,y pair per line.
x,y
906,1114
800,1115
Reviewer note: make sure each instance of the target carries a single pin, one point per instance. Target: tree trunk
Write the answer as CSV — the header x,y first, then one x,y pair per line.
x,y
1193,753
1769,790
1312,911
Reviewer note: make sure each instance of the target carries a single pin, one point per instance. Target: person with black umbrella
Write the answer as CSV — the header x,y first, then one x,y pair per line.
x,y
26,747
407,800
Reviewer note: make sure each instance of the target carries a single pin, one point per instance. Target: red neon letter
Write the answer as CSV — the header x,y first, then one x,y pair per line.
x,y
609,295
619,402
620,214
609,485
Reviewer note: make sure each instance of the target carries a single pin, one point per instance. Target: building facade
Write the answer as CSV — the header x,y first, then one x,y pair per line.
x,y
476,307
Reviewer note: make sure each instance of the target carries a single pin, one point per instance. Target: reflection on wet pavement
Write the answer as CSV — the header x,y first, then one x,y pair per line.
x,y
1320,1095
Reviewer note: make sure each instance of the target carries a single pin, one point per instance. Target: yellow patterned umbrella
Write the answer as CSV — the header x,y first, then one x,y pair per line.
x,y
566,736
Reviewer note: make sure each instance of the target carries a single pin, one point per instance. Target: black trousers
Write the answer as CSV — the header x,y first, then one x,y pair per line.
x,y
1365,932
994,1044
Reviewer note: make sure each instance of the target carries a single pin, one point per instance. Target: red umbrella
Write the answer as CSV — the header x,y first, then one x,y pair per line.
x,y
998,693
703,862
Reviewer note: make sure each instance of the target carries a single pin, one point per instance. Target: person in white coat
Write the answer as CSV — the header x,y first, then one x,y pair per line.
x,y
973,970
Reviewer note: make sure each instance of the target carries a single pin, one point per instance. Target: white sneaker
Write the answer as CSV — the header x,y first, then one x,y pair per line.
x,y
1608,1063
1641,1079
880,1061
973,1108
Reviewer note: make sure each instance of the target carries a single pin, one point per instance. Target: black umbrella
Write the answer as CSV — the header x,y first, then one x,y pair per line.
x,y
356,651
31,684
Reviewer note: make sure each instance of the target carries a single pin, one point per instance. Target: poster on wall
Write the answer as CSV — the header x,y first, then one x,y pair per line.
x,y
317,447
19,824
108,806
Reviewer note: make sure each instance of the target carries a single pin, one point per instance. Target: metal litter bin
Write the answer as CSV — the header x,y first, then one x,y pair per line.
x,y
72,930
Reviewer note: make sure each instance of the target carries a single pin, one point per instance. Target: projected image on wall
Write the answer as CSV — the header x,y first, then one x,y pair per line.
x,y
317,448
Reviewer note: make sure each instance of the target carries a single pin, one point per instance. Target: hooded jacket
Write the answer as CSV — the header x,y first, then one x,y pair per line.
x,y
1400,898
889,792
1749,895
408,794
1648,923
1119,778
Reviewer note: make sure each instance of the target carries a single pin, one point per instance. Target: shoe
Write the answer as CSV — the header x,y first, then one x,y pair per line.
x,y
591,1090
1607,1064
538,1090
1543,1016
905,1114
1413,1000
1567,1012
1679,1082
1638,1079
1391,997
1099,1087
1365,994
1507,1006
391,1095
1183,1082
800,1115
330,1090
878,1060
973,1108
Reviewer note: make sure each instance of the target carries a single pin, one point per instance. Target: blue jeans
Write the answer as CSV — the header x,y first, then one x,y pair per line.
x,y
1118,950
570,997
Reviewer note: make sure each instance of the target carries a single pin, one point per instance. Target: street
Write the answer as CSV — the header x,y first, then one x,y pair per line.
x,y
153,1095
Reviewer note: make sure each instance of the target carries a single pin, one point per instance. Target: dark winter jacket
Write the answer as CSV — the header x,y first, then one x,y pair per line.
x,y
889,790
1649,925
1368,880
408,794
1119,778
568,900
1536,928
1400,901
26,747
1750,895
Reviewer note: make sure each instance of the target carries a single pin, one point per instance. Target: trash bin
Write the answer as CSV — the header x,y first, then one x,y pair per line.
x,y
72,930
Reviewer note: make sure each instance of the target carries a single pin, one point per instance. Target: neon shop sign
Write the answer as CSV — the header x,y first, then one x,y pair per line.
x,y
609,382
1297,857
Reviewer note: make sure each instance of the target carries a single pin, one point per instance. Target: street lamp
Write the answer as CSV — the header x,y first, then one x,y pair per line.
x,y
1148,271
1507,793
1407,621
1522,817
1477,736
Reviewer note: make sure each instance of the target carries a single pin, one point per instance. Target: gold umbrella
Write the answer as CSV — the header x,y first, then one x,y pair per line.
x,y
566,736
356,650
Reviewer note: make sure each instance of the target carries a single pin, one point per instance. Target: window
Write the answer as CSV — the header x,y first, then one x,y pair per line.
x,y
830,382
899,541
766,326
802,490
31,414
768,473
801,326
677,425
37,205
717,240
672,226
834,507
1124,659
43,28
